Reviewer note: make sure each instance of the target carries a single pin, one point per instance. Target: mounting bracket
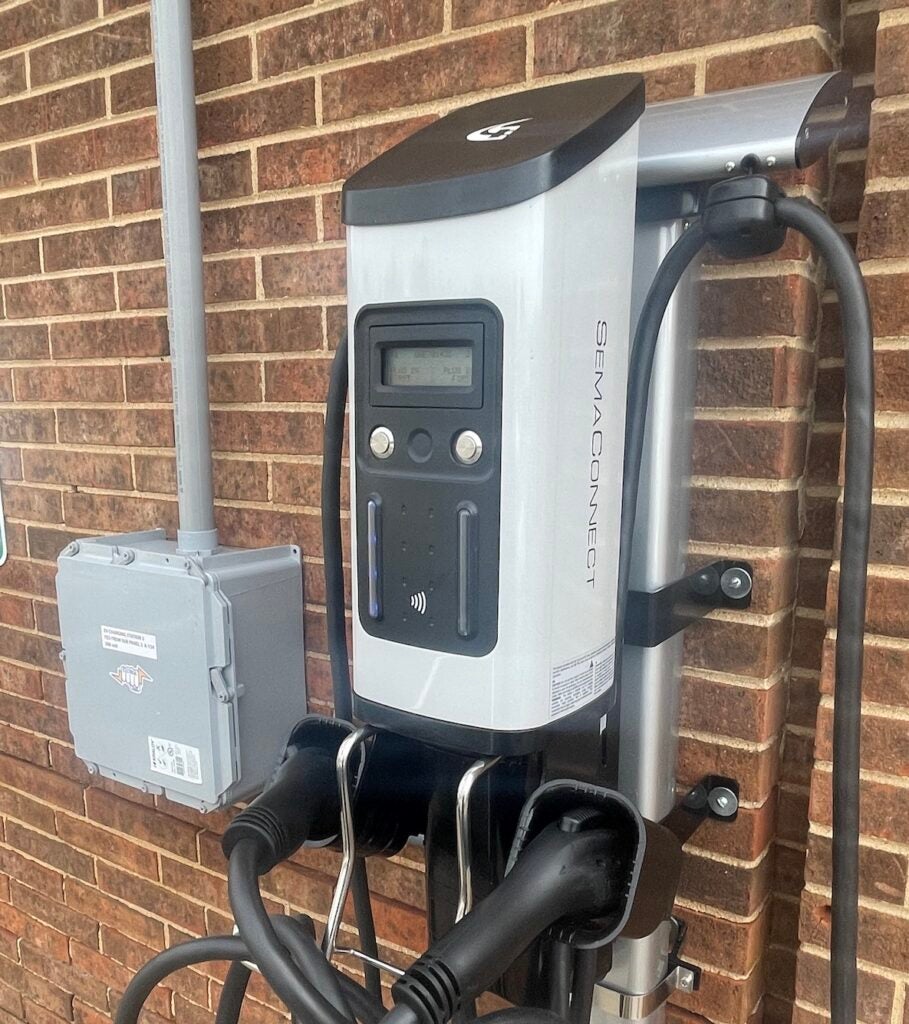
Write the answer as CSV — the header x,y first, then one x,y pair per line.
x,y
654,617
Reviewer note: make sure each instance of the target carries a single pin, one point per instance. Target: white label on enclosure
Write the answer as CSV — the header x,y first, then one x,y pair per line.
x,y
178,760
579,680
128,641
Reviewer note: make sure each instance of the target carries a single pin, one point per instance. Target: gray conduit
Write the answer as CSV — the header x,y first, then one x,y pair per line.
x,y
172,38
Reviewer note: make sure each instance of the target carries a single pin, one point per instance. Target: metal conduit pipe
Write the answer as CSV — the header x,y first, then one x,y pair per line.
x,y
173,52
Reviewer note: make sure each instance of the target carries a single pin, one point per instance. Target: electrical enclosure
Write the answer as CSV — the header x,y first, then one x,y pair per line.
x,y
183,672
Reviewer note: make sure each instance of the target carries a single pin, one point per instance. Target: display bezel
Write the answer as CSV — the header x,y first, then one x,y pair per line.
x,y
466,335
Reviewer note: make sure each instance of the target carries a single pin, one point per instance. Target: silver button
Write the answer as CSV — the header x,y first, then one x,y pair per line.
x,y
381,442
468,447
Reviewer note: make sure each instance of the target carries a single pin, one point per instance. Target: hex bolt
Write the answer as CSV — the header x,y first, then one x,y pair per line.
x,y
723,801
736,583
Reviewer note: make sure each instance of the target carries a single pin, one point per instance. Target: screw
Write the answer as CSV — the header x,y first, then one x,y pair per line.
x,y
730,166
770,161
723,802
686,981
736,582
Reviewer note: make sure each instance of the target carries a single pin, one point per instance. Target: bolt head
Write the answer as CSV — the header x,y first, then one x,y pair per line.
x,y
730,166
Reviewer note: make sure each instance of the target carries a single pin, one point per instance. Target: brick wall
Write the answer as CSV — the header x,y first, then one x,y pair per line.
x,y
292,98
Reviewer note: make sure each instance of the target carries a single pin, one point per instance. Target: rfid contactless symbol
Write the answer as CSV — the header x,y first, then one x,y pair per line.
x,y
497,132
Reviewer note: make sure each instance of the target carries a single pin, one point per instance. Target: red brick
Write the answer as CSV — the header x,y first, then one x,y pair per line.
x,y
29,648
16,167
286,222
131,819
46,544
49,466
882,873
31,21
255,527
145,427
113,912
875,994
104,247
25,682
750,713
28,984
756,306
296,433
12,75
773,63
212,16
882,232
51,111
308,274
215,67
59,296
892,65
449,69
16,611
27,425
29,872
749,448
112,512
19,258
37,504
254,114
297,380
68,977
55,914
244,479
126,337
60,384
97,149
263,330
110,44
888,150
58,854
227,382
24,341
331,157
751,517
155,898
68,205
225,281
743,648
883,938
344,32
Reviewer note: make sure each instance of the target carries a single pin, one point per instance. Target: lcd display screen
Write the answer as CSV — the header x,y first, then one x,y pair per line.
x,y
428,366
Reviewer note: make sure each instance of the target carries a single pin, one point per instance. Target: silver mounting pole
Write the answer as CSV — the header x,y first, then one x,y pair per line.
x,y
462,831
348,837
173,48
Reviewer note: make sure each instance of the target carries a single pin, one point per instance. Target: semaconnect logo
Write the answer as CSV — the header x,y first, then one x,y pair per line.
x,y
497,132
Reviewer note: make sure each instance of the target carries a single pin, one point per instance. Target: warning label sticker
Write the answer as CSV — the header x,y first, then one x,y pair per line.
x,y
575,682
128,641
178,760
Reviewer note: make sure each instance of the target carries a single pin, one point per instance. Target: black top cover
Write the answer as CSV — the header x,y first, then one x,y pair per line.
x,y
495,153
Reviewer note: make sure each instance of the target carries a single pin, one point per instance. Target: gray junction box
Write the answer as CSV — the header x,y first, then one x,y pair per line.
x,y
184,672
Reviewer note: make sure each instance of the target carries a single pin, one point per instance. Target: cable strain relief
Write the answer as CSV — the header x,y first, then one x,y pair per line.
x,y
260,824
740,219
430,990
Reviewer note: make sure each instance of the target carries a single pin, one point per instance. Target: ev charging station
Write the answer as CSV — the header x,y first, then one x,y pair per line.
x,y
519,363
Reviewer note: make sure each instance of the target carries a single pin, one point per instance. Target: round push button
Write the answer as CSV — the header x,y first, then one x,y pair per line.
x,y
468,447
381,442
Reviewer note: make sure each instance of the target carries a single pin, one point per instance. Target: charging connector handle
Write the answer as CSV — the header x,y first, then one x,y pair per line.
x,y
562,873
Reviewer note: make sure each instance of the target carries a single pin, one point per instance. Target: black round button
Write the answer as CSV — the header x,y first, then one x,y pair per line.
x,y
419,445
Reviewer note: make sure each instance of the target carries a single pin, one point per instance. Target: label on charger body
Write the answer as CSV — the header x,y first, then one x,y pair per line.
x,y
575,683
129,641
178,760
